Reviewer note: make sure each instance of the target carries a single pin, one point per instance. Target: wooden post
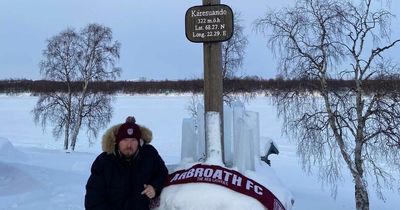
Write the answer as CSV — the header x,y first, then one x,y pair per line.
x,y
213,80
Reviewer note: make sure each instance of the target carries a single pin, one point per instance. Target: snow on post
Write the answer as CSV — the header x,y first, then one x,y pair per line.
x,y
201,138
213,138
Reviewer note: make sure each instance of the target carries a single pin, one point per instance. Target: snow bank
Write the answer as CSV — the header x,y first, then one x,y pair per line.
x,y
12,179
266,176
15,181
200,196
9,152
197,195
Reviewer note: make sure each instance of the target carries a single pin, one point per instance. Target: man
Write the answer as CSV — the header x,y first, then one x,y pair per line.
x,y
128,173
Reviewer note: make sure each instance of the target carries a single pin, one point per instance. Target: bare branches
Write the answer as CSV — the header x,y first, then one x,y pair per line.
x,y
233,50
309,48
313,40
85,56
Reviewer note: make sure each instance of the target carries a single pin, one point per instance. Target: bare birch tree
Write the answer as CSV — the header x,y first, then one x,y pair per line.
x,y
96,62
61,65
233,50
233,53
333,39
85,56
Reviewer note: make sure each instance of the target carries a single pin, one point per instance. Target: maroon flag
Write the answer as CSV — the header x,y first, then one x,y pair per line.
x,y
228,178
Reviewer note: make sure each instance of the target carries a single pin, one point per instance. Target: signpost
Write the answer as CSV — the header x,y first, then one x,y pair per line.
x,y
211,24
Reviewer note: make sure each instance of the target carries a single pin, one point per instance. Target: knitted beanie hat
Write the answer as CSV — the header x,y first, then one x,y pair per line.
x,y
128,130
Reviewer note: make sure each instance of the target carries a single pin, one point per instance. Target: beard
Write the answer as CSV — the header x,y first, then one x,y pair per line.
x,y
127,153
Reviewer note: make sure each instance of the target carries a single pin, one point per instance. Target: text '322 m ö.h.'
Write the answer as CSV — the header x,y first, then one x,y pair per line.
x,y
211,23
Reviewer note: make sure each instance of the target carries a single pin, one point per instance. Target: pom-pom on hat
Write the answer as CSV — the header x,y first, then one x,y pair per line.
x,y
128,130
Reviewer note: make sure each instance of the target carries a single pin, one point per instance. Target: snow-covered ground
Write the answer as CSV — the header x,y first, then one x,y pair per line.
x,y
35,173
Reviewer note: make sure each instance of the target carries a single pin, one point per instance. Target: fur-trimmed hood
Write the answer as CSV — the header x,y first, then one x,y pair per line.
x,y
108,141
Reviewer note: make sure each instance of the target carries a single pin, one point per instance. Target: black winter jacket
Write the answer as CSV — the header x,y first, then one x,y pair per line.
x,y
116,184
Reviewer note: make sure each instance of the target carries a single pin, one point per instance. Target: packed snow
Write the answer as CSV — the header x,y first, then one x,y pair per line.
x,y
199,196
35,173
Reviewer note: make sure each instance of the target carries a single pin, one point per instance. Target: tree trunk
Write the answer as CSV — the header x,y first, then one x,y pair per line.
x,y
77,124
79,116
69,113
75,134
66,136
361,195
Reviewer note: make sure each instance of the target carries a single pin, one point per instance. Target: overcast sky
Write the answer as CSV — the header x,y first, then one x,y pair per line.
x,y
152,34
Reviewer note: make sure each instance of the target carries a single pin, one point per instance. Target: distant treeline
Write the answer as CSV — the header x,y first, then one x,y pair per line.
x,y
238,85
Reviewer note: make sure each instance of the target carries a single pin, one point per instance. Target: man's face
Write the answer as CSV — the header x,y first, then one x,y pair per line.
x,y
128,146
